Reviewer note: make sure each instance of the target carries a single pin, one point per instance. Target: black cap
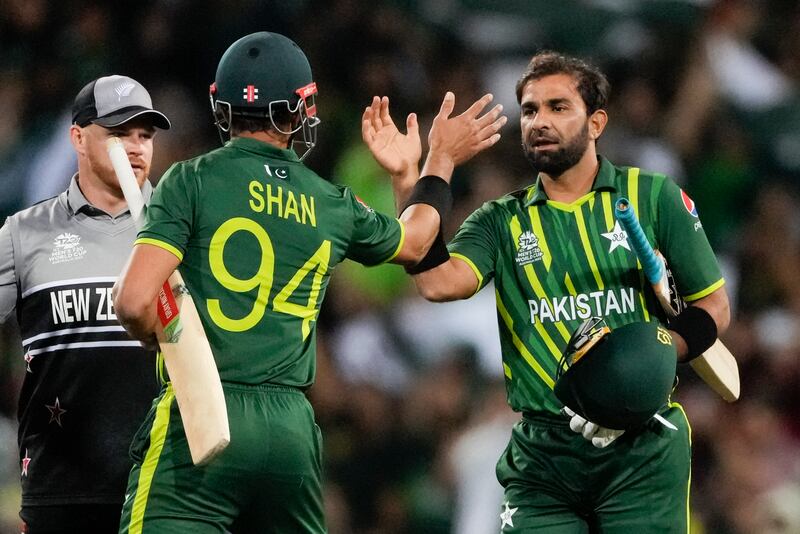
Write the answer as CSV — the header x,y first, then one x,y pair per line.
x,y
114,100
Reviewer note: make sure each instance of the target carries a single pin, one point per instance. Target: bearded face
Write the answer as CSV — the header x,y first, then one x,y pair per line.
x,y
552,155
556,127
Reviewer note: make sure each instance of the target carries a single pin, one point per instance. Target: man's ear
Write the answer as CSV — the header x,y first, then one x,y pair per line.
x,y
78,138
597,123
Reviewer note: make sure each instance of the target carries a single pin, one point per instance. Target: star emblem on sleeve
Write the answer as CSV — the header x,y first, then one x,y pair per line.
x,y
25,462
505,516
618,238
56,411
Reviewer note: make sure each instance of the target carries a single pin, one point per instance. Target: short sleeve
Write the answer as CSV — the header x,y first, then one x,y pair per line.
x,y
683,242
169,215
8,277
376,238
475,243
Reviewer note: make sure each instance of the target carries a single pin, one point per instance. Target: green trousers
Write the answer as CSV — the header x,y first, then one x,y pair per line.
x,y
267,480
556,482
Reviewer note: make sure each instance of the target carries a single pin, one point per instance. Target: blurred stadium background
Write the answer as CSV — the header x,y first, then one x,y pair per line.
x,y
409,394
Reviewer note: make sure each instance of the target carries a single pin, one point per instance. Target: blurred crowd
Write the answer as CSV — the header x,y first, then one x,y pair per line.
x,y
410,395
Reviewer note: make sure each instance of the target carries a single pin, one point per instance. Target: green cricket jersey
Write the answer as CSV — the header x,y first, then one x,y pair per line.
x,y
258,235
556,264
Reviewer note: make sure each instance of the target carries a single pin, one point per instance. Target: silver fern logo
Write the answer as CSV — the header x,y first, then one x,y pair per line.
x,y
123,89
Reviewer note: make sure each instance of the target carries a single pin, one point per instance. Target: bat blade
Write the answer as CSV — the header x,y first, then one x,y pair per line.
x,y
187,353
195,379
716,366
718,369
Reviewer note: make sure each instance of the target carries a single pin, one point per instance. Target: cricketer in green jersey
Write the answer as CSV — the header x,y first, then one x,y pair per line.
x,y
558,257
256,235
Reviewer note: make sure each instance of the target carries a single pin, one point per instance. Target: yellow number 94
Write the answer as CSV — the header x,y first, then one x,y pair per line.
x,y
263,279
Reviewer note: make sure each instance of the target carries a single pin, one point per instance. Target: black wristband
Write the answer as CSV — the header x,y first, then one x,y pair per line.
x,y
433,191
437,255
696,326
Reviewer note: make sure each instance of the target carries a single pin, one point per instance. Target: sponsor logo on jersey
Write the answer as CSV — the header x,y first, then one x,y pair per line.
x,y
689,204
66,248
529,250
582,305
618,238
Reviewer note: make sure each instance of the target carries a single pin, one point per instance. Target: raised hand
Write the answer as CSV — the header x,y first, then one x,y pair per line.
x,y
455,140
395,152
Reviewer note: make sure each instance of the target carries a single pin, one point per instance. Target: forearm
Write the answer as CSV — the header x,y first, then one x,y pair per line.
x,y
716,306
428,205
421,223
439,164
452,280
402,185
436,164
137,316
138,286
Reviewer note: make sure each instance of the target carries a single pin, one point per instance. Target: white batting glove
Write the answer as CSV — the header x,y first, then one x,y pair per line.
x,y
600,437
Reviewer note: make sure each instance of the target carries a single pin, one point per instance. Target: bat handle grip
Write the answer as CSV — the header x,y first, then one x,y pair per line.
x,y
126,177
651,264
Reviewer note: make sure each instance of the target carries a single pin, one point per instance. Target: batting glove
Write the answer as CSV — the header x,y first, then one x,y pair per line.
x,y
600,437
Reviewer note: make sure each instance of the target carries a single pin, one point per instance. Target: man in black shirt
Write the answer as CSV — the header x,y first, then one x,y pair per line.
x,y
87,385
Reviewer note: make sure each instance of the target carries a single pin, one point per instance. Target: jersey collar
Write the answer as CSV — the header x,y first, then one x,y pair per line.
x,y
604,181
264,149
77,203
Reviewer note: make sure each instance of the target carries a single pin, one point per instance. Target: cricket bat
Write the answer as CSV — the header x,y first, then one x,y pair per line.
x,y
187,354
717,366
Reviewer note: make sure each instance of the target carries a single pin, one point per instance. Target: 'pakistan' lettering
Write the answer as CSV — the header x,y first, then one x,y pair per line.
x,y
282,203
582,306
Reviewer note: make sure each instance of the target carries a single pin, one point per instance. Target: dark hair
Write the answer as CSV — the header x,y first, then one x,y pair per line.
x,y
592,84
255,122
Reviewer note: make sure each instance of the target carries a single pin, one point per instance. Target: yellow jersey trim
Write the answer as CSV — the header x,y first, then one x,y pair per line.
x,y
571,206
471,266
520,346
400,244
160,244
705,292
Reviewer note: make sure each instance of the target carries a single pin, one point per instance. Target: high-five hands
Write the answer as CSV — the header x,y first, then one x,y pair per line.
x,y
397,153
600,437
454,140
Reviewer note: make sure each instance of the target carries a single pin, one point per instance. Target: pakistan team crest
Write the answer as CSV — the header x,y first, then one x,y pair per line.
x,y
528,251
67,247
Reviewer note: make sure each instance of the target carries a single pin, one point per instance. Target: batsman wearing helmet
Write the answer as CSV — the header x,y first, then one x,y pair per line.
x,y
256,235
581,330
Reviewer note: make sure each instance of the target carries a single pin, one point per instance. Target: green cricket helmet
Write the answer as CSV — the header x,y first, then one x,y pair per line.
x,y
617,378
266,75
